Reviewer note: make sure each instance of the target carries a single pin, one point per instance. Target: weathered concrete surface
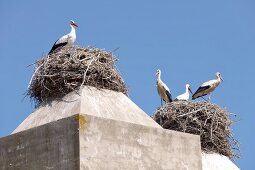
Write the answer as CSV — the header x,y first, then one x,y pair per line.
x,y
217,162
51,146
109,144
99,144
91,101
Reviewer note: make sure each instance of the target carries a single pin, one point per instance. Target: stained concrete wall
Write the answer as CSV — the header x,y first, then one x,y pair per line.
x,y
89,143
109,144
51,146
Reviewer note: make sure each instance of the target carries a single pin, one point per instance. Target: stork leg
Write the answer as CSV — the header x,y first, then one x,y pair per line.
x,y
161,101
204,99
209,97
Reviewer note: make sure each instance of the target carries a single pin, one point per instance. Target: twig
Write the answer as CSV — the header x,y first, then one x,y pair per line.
x,y
29,84
195,111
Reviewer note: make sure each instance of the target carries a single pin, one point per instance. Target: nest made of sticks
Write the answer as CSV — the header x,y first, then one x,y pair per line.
x,y
208,120
70,68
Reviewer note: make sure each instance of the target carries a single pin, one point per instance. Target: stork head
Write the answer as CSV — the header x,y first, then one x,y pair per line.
x,y
72,23
218,75
188,87
158,73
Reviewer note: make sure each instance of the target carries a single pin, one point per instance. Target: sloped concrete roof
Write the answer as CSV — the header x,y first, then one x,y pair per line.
x,y
91,101
216,161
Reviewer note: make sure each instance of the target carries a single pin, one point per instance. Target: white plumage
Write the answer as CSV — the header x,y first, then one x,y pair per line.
x,y
162,88
208,87
67,39
184,96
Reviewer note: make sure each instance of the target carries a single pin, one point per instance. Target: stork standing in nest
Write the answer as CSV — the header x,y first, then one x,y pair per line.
x,y
184,96
162,88
67,39
208,87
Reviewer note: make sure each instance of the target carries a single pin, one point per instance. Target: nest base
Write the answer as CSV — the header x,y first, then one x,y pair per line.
x,y
208,120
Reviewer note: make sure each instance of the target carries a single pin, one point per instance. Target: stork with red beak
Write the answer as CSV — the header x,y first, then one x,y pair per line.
x,y
162,88
67,39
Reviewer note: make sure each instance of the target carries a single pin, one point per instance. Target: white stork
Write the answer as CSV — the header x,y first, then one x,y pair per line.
x,y
184,96
67,39
163,90
208,87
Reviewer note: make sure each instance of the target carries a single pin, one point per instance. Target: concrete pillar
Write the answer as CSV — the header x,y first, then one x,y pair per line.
x,y
97,129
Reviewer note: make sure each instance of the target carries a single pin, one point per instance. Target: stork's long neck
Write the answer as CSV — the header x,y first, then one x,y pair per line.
x,y
187,90
72,30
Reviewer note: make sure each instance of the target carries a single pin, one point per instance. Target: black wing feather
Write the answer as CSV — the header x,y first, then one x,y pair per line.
x,y
169,96
200,89
55,46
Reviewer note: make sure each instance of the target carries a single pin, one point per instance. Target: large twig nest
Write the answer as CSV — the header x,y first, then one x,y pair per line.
x,y
208,120
72,67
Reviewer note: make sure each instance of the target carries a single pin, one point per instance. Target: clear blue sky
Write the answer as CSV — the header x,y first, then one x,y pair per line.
x,y
188,40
